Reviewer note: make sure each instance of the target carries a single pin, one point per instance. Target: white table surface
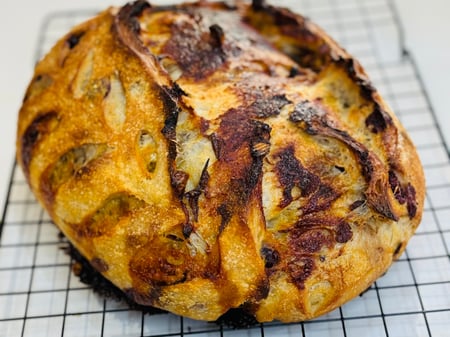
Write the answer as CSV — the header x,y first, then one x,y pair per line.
x,y
426,26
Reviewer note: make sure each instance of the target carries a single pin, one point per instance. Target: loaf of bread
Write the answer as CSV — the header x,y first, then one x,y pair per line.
x,y
209,156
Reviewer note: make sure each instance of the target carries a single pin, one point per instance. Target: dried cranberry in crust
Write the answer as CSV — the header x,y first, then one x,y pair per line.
x,y
404,194
343,232
411,203
312,241
396,187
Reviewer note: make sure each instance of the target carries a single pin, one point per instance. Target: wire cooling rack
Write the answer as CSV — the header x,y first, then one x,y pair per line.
x,y
39,296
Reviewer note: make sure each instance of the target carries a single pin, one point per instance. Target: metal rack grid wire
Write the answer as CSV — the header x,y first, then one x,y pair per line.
x,y
39,296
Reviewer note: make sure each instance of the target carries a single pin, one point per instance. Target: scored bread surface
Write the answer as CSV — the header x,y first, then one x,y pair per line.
x,y
208,156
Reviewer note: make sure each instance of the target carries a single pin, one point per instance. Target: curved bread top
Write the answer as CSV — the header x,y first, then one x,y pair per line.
x,y
207,156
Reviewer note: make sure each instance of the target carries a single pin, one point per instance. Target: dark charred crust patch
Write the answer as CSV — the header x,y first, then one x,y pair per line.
x,y
356,204
365,162
129,13
188,228
240,137
225,214
268,106
260,148
258,4
350,67
260,143
217,34
398,249
321,199
126,28
404,194
192,198
306,114
316,121
287,20
175,91
309,51
193,195
204,126
291,173
309,58
396,187
178,181
169,133
74,39
294,72
204,178
237,318
300,270
307,238
197,52
171,111
378,121
271,256
262,291
237,131
40,126
138,7
242,187
217,145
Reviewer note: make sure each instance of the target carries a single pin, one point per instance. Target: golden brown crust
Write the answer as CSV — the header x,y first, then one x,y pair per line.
x,y
205,157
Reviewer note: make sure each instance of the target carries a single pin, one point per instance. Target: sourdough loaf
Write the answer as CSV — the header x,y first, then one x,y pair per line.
x,y
208,156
